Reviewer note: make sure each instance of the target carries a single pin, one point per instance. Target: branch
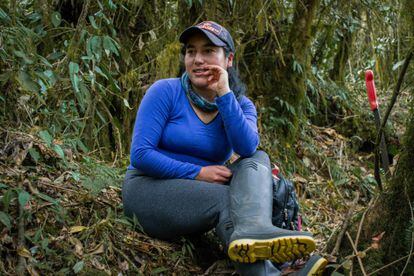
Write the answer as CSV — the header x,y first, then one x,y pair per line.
x,y
390,106
356,253
345,225
390,264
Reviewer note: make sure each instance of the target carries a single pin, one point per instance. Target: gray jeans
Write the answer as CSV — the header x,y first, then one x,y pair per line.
x,y
171,208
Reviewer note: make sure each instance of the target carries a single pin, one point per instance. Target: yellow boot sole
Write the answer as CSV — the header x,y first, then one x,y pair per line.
x,y
318,267
279,250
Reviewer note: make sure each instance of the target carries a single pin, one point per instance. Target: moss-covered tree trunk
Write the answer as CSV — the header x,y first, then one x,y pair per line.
x,y
295,68
393,212
344,47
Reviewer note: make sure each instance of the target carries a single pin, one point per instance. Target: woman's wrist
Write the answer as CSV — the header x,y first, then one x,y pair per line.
x,y
224,91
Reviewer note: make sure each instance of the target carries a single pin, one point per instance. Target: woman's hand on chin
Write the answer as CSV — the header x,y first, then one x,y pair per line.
x,y
217,79
214,174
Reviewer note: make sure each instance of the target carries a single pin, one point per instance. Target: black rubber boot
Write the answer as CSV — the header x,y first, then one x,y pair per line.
x,y
313,267
254,237
224,230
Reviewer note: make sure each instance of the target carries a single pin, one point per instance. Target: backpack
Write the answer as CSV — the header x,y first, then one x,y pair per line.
x,y
285,204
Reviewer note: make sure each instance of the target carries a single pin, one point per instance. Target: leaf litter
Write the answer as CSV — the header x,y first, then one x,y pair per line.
x,y
73,228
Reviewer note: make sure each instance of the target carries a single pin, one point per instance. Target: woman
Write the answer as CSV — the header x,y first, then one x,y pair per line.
x,y
186,129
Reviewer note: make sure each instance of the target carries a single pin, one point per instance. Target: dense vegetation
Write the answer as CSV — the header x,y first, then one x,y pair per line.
x,y
72,74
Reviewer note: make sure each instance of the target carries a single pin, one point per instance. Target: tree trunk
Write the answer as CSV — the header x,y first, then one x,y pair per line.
x,y
393,212
337,73
296,67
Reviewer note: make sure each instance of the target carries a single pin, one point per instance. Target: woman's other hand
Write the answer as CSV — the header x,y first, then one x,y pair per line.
x,y
216,174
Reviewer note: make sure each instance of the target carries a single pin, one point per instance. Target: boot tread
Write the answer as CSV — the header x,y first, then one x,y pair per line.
x,y
279,250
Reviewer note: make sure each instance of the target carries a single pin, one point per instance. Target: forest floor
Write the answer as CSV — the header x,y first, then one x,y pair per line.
x,y
65,215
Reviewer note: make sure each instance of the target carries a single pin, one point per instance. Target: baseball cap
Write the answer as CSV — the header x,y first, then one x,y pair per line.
x,y
217,34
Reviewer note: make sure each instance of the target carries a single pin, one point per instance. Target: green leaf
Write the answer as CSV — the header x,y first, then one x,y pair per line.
x,y
47,198
51,77
111,5
7,197
94,47
82,146
46,137
58,149
4,16
5,219
76,176
110,46
56,18
78,267
22,55
99,71
189,3
23,198
34,154
73,73
26,82
93,22
158,270
3,186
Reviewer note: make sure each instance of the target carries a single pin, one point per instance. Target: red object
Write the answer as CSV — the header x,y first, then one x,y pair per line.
x,y
371,90
275,171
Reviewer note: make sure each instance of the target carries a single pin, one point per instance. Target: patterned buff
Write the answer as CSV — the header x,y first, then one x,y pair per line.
x,y
196,99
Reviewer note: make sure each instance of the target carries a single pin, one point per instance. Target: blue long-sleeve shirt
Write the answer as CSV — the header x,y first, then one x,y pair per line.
x,y
170,141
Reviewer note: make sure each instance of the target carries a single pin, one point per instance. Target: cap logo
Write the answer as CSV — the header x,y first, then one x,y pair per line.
x,y
209,27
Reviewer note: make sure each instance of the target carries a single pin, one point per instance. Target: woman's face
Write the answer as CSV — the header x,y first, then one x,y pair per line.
x,y
200,52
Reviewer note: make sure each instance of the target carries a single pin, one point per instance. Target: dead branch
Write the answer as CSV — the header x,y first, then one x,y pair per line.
x,y
356,253
345,225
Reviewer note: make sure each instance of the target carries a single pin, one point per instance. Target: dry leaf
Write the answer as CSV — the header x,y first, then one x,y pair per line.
x,y
300,179
76,229
347,264
124,266
32,271
22,251
78,246
361,254
376,240
99,249
306,161
97,264
330,131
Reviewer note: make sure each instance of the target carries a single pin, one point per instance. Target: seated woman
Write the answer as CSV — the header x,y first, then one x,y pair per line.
x,y
186,129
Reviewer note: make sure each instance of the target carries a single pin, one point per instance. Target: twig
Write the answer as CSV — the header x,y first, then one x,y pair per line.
x,y
345,225
124,256
58,187
362,221
356,253
390,264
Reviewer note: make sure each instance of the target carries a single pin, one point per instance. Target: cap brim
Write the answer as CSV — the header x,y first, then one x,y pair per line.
x,y
194,29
